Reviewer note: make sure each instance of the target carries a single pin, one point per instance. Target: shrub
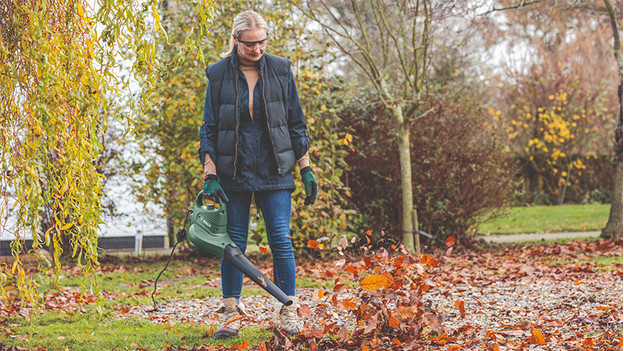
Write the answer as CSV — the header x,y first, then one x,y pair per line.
x,y
459,168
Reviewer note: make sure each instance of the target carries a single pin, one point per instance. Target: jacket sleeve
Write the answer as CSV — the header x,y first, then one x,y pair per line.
x,y
208,131
296,120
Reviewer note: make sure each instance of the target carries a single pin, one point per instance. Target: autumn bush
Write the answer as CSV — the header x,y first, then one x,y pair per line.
x,y
557,124
459,167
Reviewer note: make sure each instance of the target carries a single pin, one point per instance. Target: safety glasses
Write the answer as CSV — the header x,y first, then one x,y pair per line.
x,y
253,44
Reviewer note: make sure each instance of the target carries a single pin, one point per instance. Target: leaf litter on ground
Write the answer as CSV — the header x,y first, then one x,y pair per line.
x,y
515,298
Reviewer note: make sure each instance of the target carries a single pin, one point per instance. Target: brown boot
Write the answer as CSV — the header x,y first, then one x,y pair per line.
x,y
288,317
231,320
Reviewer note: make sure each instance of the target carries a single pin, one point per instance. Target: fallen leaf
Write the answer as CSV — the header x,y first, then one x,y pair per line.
x,y
537,337
263,250
393,322
450,241
375,282
462,310
305,311
448,252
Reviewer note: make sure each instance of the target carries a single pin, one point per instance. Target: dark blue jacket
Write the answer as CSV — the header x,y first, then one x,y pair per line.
x,y
260,153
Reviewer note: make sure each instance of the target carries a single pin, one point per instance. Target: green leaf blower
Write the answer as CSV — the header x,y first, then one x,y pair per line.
x,y
208,234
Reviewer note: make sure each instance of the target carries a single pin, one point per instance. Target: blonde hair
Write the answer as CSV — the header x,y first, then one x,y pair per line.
x,y
245,21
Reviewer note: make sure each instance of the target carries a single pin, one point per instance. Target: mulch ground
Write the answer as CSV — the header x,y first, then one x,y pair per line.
x,y
523,297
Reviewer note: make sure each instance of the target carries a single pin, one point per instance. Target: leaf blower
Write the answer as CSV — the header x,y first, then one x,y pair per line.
x,y
208,234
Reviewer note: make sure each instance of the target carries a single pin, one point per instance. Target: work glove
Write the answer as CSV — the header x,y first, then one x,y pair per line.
x,y
213,189
310,184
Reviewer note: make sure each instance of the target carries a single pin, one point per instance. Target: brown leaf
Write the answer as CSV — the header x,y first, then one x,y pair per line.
x,y
339,287
462,310
448,252
305,311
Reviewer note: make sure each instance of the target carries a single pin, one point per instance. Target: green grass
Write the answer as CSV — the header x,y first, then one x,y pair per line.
x,y
548,219
59,331
602,263
131,283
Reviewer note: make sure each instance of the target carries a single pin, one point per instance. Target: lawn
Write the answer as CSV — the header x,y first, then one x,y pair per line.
x,y
548,219
467,292
68,323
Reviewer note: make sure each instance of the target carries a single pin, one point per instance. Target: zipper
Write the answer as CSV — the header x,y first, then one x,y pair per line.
x,y
236,127
266,113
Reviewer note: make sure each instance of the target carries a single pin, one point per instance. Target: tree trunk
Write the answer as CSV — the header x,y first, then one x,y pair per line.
x,y
614,225
171,235
406,180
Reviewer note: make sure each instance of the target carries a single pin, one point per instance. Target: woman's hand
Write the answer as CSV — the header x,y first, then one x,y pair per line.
x,y
310,184
213,189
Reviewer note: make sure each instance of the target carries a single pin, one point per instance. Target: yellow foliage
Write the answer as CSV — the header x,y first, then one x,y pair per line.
x,y
58,79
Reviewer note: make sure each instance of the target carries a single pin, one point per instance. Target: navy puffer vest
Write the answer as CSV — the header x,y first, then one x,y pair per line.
x,y
274,73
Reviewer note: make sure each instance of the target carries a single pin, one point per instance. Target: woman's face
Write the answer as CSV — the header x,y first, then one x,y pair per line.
x,y
251,43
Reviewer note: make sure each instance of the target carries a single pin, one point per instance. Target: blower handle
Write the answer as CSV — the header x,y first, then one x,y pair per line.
x,y
199,200
235,257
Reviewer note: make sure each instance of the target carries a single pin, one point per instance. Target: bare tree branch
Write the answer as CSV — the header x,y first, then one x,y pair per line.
x,y
617,45
521,4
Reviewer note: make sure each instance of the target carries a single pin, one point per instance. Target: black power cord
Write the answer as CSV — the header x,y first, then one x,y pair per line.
x,y
180,236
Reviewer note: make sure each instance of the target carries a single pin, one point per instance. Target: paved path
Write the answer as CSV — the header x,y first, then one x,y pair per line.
x,y
504,238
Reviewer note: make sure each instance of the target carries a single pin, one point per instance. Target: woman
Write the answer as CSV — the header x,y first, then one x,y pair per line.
x,y
254,132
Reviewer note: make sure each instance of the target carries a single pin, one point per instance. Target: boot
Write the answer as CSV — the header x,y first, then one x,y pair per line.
x,y
232,315
288,316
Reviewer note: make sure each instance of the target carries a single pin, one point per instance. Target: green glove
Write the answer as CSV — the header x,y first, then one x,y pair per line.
x,y
310,184
213,189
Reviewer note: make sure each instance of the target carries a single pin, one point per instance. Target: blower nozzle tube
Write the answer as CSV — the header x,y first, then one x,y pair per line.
x,y
233,255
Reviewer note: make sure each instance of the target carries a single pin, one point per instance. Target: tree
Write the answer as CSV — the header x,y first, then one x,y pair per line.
x,y
62,69
388,42
614,225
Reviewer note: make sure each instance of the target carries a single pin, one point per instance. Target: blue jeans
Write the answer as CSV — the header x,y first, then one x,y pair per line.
x,y
275,207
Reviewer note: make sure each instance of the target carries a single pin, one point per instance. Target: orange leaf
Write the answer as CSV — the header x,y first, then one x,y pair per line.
x,y
537,337
351,270
263,250
605,308
462,310
375,282
393,322
454,348
432,262
368,232
313,244
450,241
321,293
243,345
364,348
397,341
424,287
